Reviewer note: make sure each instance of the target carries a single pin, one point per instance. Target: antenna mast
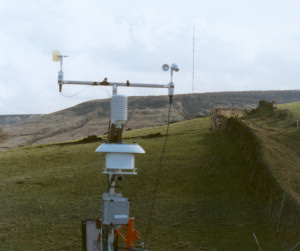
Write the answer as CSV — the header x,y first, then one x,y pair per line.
x,y
193,59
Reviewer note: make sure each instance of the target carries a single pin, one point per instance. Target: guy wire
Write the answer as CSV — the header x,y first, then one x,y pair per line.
x,y
158,174
69,96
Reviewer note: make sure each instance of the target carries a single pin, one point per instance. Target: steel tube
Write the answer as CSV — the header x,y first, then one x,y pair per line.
x,y
104,83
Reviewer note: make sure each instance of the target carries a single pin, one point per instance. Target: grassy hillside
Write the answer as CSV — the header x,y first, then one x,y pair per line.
x,y
294,108
281,141
204,201
91,118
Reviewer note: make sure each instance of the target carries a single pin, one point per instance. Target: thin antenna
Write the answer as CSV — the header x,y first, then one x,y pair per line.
x,y
193,74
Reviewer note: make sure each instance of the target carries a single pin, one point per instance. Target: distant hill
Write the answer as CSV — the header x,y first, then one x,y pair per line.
x,y
12,119
92,118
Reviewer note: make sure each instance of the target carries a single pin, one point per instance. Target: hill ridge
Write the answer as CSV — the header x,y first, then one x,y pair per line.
x,y
92,117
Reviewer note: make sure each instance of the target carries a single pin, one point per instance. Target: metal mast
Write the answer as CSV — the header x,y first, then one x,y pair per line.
x,y
119,161
193,73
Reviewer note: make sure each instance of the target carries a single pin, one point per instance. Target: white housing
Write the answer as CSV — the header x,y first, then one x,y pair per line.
x,y
120,157
118,108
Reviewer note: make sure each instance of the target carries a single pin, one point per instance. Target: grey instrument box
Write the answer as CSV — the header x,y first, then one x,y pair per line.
x,y
115,209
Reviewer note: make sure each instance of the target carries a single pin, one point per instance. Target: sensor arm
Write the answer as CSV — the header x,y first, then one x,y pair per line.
x,y
58,57
105,83
61,82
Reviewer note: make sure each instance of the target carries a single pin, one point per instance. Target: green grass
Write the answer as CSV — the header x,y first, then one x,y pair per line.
x,y
284,117
204,201
294,108
281,143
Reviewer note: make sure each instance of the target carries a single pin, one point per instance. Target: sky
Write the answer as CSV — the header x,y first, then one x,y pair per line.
x,y
240,45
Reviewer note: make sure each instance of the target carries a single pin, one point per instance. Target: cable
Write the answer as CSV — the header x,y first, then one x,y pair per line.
x,y
107,92
158,175
131,113
69,96
293,248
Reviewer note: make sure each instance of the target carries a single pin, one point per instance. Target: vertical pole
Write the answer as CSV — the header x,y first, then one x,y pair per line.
x,y
115,89
193,59
109,241
108,231
111,231
61,62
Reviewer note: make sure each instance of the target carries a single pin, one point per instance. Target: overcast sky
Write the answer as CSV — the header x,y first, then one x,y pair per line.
x,y
239,45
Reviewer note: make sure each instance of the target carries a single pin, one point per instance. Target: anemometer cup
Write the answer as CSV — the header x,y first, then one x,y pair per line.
x,y
165,67
174,67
